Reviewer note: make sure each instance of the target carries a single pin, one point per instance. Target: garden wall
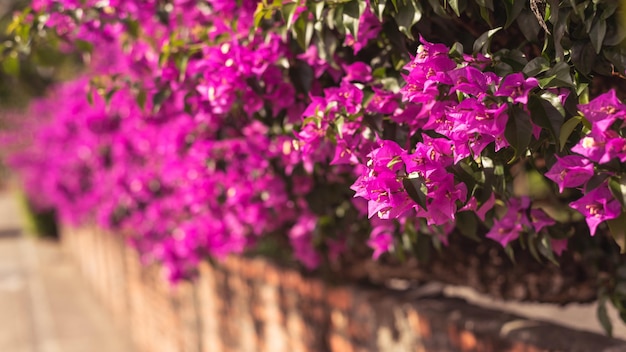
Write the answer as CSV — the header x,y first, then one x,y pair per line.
x,y
253,305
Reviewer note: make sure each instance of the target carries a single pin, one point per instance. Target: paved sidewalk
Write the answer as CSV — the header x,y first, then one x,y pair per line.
x,y
45,306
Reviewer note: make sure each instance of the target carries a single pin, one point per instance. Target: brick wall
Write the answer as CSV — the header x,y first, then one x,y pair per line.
x,y
253,305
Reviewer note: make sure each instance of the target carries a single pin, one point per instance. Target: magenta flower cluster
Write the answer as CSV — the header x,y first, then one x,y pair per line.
x,y
455,109
193,172
187,132
596,155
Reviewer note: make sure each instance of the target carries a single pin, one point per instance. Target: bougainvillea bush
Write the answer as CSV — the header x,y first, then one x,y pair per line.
x,y
202,128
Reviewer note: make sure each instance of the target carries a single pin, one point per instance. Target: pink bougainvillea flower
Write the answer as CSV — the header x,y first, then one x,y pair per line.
x,y
601,146
301,238
381,239
369,27
347,96
507,229
382,157
516,87
387,198
598,206
469,80
481,212
539,219
558,245
358,71
344,154
383,102
571,171
603,110
445,193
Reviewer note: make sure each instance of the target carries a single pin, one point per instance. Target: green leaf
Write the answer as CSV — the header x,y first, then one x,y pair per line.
x,y
514,58
11,64
304,31
90,96
597,33
583,57
577,8
141,98
518,130
259,13
422,247
379,72
614,36
609,9
109,95
486,15
465,174
416,189
454,5
84,46
437,7
133,27
529,26
482,43
617,185
288,11
395,160
378,7
339,122
595,181
536,66
513,9
456,50
617,56
316,8
390,84
568,127
467,224
395,5
532,247
159,98
182,61
409,13
545,115
560,20
510,252
617,226
488,4
545,248
327,44
354,8
301,76
554,99
352,11
558,76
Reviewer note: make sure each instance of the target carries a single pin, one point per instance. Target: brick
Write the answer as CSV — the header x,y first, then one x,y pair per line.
x,y
315,288
468,341
247,304
522,347
340,297
453,335
291,279
421,327
272,275
339,320
339,343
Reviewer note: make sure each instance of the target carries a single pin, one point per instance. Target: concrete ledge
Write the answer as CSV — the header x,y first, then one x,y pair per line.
x,y
253,305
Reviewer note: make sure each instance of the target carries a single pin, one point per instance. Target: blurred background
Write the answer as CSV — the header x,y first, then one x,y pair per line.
x,y
45,304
